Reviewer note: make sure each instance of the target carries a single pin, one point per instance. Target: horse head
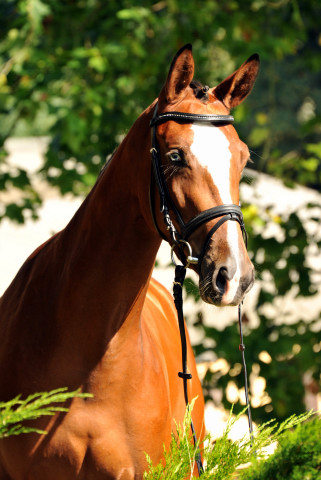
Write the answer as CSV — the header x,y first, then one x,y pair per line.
x,y
201,162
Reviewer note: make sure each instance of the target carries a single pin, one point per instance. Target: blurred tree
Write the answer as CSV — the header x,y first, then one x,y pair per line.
x,y
81,72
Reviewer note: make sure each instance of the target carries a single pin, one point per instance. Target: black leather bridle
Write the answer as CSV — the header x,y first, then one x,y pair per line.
x,y
225,211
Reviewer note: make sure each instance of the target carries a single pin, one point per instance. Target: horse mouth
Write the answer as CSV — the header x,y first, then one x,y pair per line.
x,y
217,294
212,297
207,291
215,297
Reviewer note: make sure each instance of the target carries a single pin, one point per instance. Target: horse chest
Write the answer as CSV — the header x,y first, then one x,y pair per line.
x,y
93,441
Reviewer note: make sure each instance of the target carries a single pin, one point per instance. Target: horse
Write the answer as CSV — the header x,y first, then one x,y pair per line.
x,y
84,312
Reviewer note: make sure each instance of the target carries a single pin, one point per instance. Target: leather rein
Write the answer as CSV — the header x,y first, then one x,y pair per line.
x,y
179,240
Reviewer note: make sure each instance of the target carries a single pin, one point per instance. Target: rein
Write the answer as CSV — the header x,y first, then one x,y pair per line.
x,y
179,240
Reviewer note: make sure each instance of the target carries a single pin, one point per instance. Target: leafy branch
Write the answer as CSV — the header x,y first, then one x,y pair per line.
x,y
16,411
221,457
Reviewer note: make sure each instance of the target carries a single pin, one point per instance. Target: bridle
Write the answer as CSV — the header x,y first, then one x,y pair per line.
x,y
225,211
179,240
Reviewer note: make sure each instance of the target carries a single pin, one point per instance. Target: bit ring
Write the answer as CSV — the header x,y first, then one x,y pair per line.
x,y
189,259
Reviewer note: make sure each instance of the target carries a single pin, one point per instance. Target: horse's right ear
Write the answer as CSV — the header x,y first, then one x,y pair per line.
x,y
179,77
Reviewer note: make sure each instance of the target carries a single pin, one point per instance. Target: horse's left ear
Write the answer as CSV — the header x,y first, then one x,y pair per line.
x,y
179,77
233,90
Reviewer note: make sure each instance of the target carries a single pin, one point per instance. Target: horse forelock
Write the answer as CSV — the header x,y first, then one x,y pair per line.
x,y
200,90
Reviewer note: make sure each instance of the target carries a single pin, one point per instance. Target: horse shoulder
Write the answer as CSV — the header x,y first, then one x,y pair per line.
x,y
160,318
162,302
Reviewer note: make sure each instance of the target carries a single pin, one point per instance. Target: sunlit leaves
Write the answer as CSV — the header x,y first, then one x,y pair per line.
x,y
77,69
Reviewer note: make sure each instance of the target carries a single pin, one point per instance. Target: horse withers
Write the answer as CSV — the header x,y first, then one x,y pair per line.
x,y
83,311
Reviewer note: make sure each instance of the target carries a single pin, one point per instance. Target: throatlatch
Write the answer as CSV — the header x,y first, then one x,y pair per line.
x,y
179,240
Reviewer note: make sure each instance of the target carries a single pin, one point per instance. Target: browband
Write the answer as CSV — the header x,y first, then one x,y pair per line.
x,y
191,117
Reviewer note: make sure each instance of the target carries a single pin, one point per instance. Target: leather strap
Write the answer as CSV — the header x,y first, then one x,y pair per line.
x,y
191,117
229,216
210,214
180,272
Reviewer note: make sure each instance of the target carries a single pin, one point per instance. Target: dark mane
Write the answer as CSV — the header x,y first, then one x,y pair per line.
x,y
103,168
200,90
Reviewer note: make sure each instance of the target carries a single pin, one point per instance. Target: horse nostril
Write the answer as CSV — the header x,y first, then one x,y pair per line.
x,y
221,279
225,274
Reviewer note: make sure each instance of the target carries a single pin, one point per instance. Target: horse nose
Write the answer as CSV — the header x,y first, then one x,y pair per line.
x,y
232,284
223,276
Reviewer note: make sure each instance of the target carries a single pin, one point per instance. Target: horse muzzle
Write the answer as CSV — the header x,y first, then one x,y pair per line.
x,y
225,284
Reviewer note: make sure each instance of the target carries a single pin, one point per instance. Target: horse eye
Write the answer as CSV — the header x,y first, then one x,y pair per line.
x,y
175,157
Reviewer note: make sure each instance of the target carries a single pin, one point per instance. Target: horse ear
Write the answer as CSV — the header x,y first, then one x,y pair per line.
x,y
180,75
233,90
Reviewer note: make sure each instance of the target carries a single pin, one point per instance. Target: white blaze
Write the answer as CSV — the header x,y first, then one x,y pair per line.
x,y
211,148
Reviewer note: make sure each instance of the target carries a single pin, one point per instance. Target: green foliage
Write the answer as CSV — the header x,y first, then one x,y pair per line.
x,y
14,413
297,457
81,72
180,459
223,457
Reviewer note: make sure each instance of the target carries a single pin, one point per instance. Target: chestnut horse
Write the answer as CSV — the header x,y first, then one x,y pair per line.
x,y
83,311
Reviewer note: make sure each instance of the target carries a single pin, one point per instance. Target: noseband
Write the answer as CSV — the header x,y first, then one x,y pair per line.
x,y
225,211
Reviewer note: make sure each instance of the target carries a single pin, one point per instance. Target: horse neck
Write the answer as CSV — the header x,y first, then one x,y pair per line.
x,y
111,240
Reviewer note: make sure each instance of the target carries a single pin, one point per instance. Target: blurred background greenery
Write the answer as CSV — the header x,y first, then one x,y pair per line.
x,y
81,71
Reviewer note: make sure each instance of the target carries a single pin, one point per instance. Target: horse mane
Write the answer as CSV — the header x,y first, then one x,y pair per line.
x,y
103,168
200,90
